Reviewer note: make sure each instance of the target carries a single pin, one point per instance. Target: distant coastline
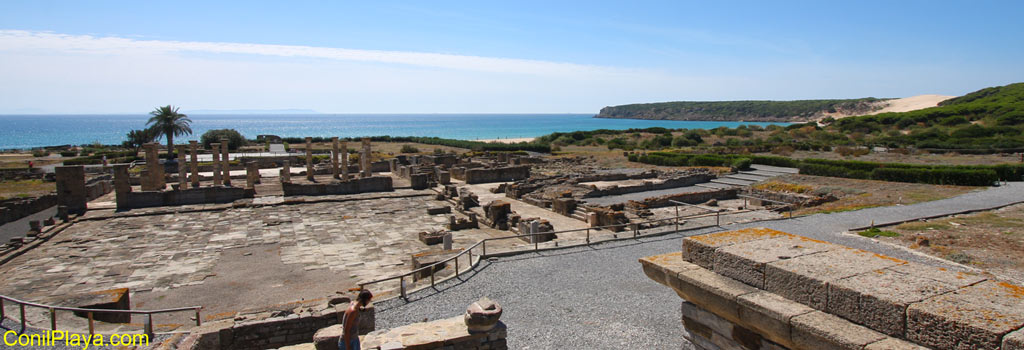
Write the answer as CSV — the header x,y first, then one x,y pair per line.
x,y
31,131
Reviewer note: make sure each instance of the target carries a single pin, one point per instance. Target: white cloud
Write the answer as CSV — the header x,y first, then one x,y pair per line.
x,y
18,40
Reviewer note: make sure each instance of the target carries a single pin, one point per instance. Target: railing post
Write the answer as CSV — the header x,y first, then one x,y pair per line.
x,y
3,313
588,235
456,266
432,276
401,287
485,249
149,325
53,319
677,217
199,320
91,329
718,220
22,307
533,237
470,251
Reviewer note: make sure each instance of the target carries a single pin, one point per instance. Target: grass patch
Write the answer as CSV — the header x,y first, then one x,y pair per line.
x,y
779,186
875,232
25,188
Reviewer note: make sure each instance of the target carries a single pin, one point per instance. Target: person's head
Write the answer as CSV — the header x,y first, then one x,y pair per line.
x,y
364,297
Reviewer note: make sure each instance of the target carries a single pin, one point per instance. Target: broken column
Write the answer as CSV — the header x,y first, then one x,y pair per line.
x,y
214,151
344,160
194,164
309,158
182,175
122,185
496,213
226,168
71,188
154,177
334,157
252,175
364,159
286,172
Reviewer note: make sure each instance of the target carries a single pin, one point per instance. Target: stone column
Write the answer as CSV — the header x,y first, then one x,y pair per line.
x,y
215,152
194,164
122,185
71,188
364,159
334,157
226,168
344,160
182,174
155,171
252,174
309,158
286,172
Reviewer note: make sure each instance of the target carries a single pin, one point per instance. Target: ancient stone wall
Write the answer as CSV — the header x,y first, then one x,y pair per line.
x,y
651,186
505,174
71,188
17,208
265,331
692,198
449,333
764,289
352,186
200,195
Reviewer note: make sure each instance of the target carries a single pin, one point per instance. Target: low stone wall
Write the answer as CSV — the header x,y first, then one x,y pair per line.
x,y
200,195
272,331
449,333
98,186
651,186
764,289
504,174
692,198
352,186
17,208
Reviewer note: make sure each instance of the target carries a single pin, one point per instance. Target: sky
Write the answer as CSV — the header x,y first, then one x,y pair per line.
x,y
82,57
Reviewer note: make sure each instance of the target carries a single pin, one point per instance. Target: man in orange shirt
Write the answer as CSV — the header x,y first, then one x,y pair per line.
x,y
349,339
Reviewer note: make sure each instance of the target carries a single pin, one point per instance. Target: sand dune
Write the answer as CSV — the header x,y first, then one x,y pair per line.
x,y
913,103
509,140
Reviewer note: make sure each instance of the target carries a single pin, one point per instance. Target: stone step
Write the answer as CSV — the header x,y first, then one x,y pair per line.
x,y
579,217
775,169
748,177
716,186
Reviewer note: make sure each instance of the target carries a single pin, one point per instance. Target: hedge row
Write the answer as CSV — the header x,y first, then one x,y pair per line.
x,y
964,175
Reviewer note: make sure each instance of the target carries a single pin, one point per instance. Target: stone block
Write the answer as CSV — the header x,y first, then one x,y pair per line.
x,y
660,267
71,191
419,181
879,299
805,279
893,344
770,315
700,249
444,209
482,315
974,317
956,279
711,291
745,261
327,338
1014,341
819,330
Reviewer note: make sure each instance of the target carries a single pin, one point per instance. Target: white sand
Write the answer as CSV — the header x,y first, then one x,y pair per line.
x,y
913,103
512,140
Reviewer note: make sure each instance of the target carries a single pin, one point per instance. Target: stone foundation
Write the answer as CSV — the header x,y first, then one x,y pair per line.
x,y
482,175
352,186
17,208
201,195
449,333
765,289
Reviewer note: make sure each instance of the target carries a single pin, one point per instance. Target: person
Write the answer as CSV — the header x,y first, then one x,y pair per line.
x,y
30,165
349,339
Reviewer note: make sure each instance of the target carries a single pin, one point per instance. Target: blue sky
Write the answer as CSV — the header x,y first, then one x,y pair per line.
x,y
492,57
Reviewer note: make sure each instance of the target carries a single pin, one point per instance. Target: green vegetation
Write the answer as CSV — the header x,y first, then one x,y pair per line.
x,y
472,145
136,138
167,122
964,175
737,110
409,149
875,232
235,139
113,157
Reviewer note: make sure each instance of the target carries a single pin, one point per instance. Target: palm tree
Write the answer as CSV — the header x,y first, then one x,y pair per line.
x,y
166,121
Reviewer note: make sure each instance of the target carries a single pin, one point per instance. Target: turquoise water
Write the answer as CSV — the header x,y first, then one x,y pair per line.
x,y
27,131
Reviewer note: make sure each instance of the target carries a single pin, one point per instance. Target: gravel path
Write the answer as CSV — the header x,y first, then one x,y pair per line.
x,y
598,298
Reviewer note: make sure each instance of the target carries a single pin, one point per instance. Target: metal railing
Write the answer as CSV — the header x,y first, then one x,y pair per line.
x,y
90,313
635,228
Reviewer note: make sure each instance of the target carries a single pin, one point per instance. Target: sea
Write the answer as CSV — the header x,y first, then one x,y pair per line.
x,y
31,131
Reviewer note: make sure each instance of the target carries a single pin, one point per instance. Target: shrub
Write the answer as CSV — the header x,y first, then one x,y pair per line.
x,y
741,163
409,149
40,153
235,139
875,232
68,153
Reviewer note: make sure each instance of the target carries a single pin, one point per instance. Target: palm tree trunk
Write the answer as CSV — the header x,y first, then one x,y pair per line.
x,y
170,146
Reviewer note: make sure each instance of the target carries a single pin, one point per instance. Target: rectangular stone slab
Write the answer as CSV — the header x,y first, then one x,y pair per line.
x,y
957,279
711,291
805,279
893,344
745,261
770,315
657,267
700,249
1014,341
822,331
879,299
974,317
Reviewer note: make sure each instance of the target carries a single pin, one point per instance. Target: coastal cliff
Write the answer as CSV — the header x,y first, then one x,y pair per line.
x,y
752,111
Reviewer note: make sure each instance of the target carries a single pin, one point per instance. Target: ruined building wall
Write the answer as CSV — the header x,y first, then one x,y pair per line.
x,y
651,186
352,186
505,174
